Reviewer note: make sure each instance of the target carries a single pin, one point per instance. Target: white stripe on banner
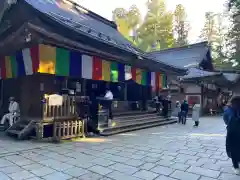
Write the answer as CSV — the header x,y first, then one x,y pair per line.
x,y
153,79
27,60
128,72
87,67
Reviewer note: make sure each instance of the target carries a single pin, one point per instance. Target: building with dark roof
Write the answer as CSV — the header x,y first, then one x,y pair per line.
x,y
202,82
58,46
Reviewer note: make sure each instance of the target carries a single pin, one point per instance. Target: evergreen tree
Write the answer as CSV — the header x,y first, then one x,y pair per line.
x,y
181,27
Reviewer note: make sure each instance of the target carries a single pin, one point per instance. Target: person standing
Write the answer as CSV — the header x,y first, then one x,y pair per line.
x,y
109,97
177,110
184,111
93,108
196,113
231,118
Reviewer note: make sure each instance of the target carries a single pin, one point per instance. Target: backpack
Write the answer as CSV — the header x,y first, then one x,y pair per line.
x,y
234,123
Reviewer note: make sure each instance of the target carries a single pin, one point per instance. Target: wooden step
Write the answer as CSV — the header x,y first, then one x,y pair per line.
x,y
138,127
132,113
135,122
14,132
133,117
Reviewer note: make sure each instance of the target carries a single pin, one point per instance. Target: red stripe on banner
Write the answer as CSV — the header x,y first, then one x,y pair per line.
x,y
134,73
157,81
34,51
97,68
3,68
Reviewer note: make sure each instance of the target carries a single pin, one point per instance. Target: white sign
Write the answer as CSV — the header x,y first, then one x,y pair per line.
x,y
55,100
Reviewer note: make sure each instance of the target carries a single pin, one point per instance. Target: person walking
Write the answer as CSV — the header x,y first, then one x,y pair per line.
x,y
184,111
177,111
231,118
196,113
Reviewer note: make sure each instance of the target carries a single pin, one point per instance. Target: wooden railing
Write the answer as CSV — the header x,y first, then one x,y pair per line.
x,y
63,119
68,129
67,109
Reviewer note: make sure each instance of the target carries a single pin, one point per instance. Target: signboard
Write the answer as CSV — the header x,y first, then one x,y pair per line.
x,y
55,100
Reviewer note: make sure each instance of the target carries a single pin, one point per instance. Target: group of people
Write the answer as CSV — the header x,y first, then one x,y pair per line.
x,y
182,110
162,105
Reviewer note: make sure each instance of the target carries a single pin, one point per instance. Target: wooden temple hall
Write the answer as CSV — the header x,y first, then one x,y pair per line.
x,y
59,47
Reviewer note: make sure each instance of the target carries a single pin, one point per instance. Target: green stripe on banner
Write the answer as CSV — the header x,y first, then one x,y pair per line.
x,y
114,72
164,81
62,62
14,66
144,78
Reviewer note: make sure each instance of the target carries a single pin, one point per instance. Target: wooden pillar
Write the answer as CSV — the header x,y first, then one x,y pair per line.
x,y
84,87
125,92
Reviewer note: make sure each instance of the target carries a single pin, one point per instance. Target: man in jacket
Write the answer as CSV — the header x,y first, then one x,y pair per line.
x,y
184,111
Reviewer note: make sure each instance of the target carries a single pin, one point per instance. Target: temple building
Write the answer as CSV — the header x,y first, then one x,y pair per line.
x,y
202,84
60,47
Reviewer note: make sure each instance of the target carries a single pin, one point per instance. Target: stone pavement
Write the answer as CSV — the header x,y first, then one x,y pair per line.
x,y
162,153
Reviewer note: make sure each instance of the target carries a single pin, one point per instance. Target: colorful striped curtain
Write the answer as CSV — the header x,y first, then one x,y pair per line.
x,y
138,76
62,62
114,72
106,70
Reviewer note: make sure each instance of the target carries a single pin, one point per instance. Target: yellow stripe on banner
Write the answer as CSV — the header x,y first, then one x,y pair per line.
x,y
8,67
47,59
138,76
160,81
106,70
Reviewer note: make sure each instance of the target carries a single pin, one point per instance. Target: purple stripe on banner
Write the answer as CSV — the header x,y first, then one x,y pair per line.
x,y
75,64
20,64
121,72
148,79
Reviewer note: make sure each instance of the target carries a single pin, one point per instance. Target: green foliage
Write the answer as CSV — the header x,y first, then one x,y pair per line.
x,y
181,27
215,31
234,32
154,33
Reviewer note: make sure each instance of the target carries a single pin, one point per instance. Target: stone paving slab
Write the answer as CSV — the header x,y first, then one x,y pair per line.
x,y
172,152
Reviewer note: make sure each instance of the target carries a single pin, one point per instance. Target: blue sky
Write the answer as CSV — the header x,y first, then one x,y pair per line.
x,y
195,9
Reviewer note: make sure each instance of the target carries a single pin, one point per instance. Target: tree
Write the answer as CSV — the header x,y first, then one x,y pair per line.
x,y
181,27
127,20
156,32
215,31
209,31
234,32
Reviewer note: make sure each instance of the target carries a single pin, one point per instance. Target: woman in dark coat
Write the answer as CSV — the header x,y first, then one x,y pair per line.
x,y
231,118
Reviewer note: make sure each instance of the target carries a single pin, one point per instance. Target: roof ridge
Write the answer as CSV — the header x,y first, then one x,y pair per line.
x,y
94,15
181,47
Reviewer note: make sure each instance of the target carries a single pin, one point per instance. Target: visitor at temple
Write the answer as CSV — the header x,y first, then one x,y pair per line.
x,y
14,111
165,103
93,109
184,111
157,102
196,113
109,98
177,110
231,118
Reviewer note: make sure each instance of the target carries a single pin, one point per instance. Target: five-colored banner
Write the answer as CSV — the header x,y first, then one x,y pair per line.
x,y
53,60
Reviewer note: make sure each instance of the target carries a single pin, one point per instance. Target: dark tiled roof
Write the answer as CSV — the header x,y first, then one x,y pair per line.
x,y
198,73
233,77
182,57
83,21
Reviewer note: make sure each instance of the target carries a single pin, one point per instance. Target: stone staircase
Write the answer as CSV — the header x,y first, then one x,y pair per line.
x,y
126,123
21,129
